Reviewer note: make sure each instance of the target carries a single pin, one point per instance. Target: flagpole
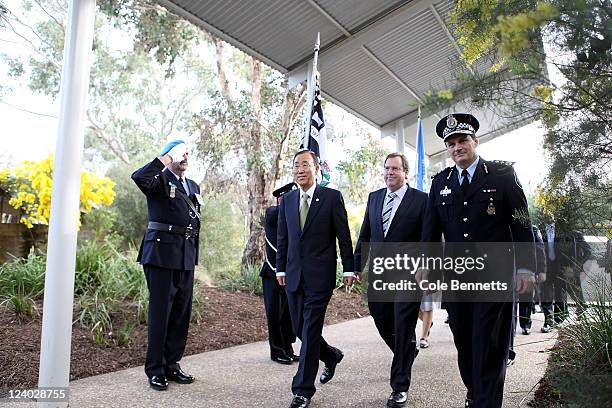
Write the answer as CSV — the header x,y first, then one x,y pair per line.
x,y
310,90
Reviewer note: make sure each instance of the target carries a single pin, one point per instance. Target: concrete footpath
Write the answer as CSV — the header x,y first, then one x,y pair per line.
x,y
244,376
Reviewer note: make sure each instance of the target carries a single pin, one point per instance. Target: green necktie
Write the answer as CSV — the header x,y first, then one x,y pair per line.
x,y
303,210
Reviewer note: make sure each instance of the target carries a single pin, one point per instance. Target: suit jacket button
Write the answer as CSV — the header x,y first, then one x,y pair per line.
x,y
466,235
465,203
465,219
157,239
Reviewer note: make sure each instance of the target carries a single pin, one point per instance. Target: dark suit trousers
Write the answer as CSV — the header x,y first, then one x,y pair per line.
x,y
280,332
307,316
170,296
406,315
482,332
554,298
384,315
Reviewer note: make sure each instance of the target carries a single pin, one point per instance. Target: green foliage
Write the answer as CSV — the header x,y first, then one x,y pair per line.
x,y
580,367
124,334
247,281
22,281
108,284
222,236
361,172
129,210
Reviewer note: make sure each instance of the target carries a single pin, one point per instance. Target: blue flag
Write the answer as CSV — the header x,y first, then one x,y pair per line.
x,y
420,162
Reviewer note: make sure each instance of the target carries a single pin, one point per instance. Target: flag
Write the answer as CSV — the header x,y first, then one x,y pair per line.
x,y
420,161
317,138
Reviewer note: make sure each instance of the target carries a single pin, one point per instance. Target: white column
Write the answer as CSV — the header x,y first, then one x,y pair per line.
x,y
399,136
61,250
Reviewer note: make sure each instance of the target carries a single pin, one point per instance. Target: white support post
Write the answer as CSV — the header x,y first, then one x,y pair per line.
x,y
400,140
61,251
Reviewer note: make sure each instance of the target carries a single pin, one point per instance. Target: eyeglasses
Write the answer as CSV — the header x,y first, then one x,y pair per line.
x,y
303,166
393,169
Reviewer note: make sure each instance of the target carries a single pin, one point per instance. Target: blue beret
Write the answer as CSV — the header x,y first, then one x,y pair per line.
x,y
170,145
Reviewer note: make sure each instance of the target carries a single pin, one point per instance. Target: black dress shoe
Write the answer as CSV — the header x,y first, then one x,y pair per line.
x,y
281,359
299,402
158,382
179,376
292,355
330,368
526,331
397,399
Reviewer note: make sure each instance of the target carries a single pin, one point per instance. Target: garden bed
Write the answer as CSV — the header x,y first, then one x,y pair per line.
x,y
228,319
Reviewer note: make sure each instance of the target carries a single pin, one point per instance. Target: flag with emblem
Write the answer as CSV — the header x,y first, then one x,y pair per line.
x,y
420,161
317,138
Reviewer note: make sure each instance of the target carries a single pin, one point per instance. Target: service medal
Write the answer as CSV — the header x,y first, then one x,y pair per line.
x,y
491,209
172,190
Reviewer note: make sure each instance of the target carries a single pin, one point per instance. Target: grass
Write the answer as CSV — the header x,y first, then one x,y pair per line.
x,y
580,368
248,280
109,286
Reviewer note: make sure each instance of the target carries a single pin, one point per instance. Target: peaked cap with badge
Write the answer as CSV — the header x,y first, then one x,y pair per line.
x,y
492,208
457,123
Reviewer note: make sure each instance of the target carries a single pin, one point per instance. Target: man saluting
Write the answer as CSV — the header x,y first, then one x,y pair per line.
x,y
169,253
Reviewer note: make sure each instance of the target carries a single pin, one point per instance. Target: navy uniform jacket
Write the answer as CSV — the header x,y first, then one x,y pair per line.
x,y
268,269
494,209
406,225
310,255
161,248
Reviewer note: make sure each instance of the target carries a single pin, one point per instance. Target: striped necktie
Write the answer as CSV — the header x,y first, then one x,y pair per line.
x,y
388,208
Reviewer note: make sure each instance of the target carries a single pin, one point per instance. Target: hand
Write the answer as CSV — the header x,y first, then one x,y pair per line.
x,y
541,277
348,281
421,275
524,282
281,280
177,153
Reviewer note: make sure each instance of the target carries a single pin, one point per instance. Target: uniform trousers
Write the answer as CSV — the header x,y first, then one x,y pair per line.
x,y
482,332
170,297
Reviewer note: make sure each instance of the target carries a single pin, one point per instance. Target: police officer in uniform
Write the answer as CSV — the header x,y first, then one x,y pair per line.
x,y
169,253
479,201
280,331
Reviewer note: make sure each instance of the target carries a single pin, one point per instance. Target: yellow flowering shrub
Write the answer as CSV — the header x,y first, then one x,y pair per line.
x,y
479,30
30,183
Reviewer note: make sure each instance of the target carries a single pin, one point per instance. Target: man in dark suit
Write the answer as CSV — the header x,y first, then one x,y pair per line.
x,y
310,220
479,201
280,332
566,252
169,253
394,214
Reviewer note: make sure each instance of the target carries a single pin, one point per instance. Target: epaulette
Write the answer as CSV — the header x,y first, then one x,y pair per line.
x,y
503,162
441,171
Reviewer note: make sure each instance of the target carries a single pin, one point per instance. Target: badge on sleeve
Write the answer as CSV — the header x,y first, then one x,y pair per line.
x,y
199,199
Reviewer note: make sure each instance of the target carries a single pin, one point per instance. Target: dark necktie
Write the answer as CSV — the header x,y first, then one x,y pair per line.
x,y
184,184
465,183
